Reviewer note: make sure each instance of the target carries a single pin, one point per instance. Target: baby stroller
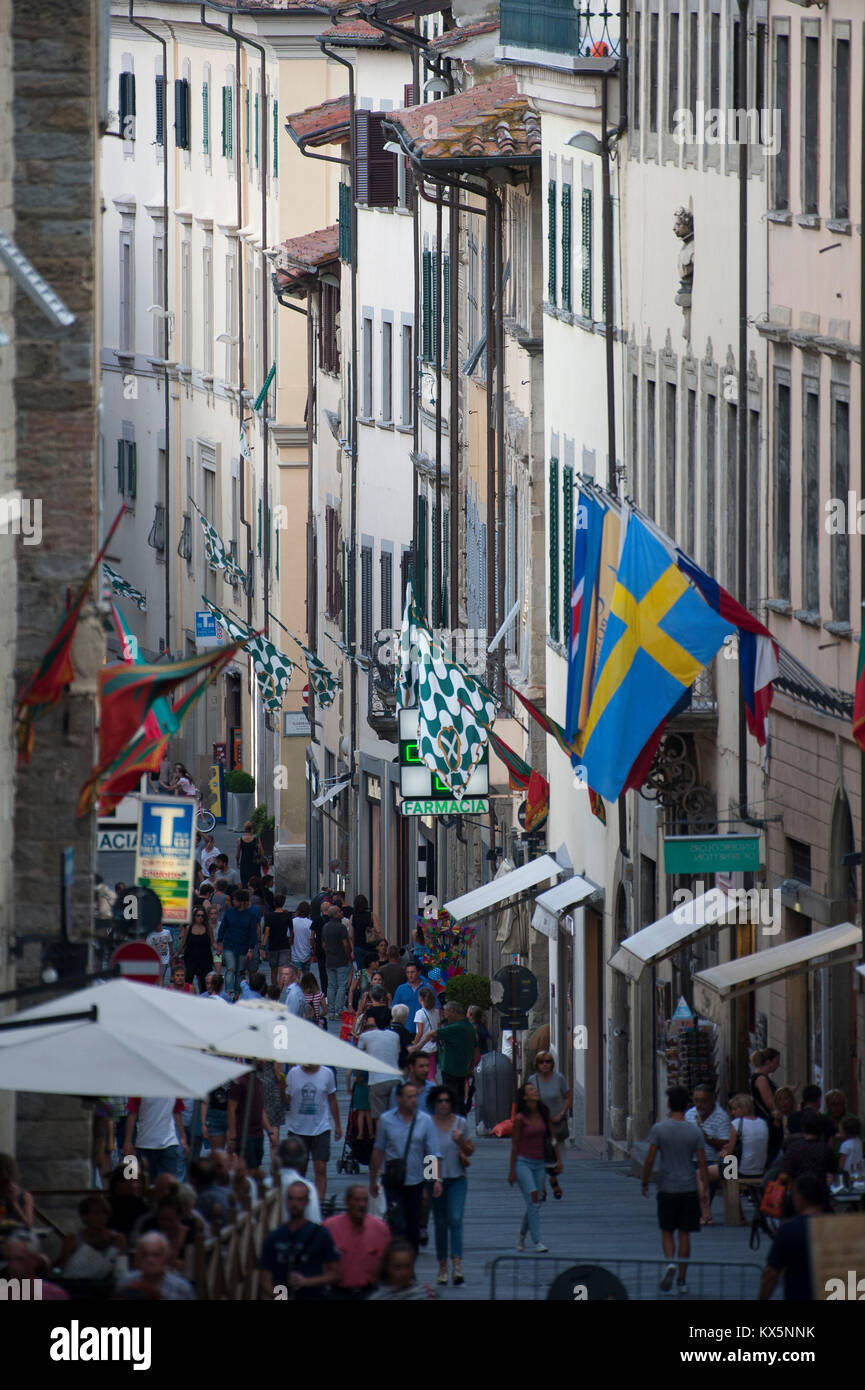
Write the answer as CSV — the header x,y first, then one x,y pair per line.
x,y
357,1145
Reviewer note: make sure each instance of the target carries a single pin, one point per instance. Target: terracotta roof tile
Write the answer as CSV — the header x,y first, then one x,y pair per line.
x,y
354,32
490,121
463,32
308,253
325,124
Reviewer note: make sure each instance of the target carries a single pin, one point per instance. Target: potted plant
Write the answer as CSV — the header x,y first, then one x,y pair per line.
x,y
264,826
240,790
470,989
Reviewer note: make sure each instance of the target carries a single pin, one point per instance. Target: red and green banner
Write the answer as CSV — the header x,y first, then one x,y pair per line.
x,y
519,771
859,696
56,670
557,732
537,801
158,720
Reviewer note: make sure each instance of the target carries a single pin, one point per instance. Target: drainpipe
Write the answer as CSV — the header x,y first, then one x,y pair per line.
x,y
454,414
489,313
167,402
862,493
501,535
244,520
439,320
351,625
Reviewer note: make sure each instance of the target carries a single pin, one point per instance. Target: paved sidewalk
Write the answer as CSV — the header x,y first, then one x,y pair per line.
x,y
602,1214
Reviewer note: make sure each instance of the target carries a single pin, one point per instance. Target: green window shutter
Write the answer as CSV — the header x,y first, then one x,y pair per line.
x,y
268,540
420,585
246,99
446,309
427,343
121,465
345,223
586,246
132,471
604,287
446,551
205,117
344,568
434,562
554,549
258,546
257,132
230,150
276,139
551,241
225,119
160,110
566,246
567,549
276,551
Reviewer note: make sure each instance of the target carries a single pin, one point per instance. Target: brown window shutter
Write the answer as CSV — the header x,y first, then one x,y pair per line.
x,y
408,95
375,169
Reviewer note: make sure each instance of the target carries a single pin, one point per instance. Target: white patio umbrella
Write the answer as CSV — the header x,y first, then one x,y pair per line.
x,y
256,1028
90,1058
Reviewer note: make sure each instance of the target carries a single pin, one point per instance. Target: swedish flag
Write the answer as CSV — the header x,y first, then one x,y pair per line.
x,y
660,634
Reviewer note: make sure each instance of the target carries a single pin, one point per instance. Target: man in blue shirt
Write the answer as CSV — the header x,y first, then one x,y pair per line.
x,y
409,1137
408,993
291,994
237,935
256,987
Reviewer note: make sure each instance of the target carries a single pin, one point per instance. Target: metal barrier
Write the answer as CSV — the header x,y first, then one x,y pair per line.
x,y
527,1277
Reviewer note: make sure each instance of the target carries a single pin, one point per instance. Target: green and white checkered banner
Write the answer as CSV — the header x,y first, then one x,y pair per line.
x,y
454,709
122,586
217,556
324,683
273,669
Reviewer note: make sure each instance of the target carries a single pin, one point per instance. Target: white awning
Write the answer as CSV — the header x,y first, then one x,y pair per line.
x,y
332,792
552,903
832,946
668,935
508,885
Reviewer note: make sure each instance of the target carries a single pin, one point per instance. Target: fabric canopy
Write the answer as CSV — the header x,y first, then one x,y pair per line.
x,y
507,885
669,934
832,946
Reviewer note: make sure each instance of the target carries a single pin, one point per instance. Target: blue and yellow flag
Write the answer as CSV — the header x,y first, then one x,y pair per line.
x,y
660,633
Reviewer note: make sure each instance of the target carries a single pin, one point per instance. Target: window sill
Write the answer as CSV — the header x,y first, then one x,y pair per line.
x,y
804,615
404,429
839,629
839,224
207,380
780,215
782,606
810,220
126,358
384,424
365,420
404,212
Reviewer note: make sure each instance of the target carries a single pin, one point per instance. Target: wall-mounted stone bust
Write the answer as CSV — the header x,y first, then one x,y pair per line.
x,y
683,227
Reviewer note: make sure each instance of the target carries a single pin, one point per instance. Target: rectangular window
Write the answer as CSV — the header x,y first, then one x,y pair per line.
x,y
127,468
205,117
375,167
407,406
810,123
635,426
690,488
427,292
328,339
781,162
781,463
672,69
386,590
185,303
715,61
653,58
333,595
586,254
810,496
753,559
127,105
710,473
160,110
841,131
366,618
472,294
760,42
731,497
670,444
366,369
651,445
735,81
248,122
551,241
126,296
693,63
207,305
228,122
386,370
208,493
434,306
554,549
566,246
257,133
181,113
231,317
840,552
160,323
636,90
446,309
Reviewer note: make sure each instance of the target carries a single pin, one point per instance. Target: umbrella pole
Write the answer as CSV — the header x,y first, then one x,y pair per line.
x,y
247,1111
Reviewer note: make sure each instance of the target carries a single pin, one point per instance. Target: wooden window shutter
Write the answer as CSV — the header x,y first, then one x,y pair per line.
x,y
567,549
205,117
426,307
160,110
551,241
586,241
375,168
446,309
554,549
121,465
566,246
420,585
132,471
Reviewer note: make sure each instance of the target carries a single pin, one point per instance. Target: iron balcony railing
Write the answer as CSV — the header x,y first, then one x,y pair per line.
x,y
579,28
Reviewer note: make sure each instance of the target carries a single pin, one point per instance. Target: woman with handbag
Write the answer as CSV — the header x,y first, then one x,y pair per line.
x,y
532,1149
457,1149
556,1096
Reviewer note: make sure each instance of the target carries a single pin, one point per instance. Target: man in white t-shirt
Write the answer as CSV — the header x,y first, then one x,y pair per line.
x,y
161,943
301,946
208,853
160,1138
382,1044
310,1100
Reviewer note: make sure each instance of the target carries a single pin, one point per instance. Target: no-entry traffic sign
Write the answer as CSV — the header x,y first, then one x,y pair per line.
x,y
138,962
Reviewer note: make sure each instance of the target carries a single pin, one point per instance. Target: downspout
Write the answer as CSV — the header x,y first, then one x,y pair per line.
x,y
351,626
489,315
244,521
167,403
435,607
862,494
265,367
500,437
454,414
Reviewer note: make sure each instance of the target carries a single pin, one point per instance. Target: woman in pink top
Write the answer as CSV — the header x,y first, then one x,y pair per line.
x,y
532,1133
